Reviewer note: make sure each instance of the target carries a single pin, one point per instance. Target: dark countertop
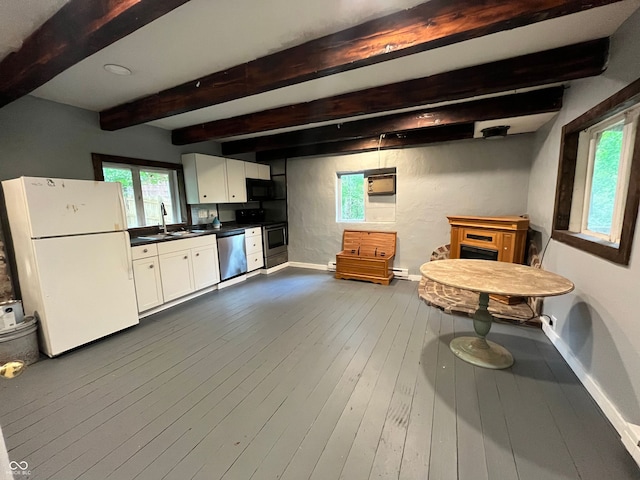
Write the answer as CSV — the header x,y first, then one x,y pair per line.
x,y
226,228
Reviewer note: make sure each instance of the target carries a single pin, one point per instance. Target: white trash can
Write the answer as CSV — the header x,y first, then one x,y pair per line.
x,y
11,314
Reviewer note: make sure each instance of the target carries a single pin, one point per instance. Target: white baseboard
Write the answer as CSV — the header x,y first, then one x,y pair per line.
x,y
312,266
177,301
253,273
232,281
400,273
629,432
277,268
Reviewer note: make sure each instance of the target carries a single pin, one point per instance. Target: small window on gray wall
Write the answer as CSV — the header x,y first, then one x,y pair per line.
x,y
353,204
351,197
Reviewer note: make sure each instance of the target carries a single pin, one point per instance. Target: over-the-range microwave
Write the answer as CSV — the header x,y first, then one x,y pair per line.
x,y
258,190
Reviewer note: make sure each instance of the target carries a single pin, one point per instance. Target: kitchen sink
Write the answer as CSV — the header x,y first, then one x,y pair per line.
x,y
180,234
157,236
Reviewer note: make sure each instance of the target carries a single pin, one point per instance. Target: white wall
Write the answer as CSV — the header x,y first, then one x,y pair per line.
x,y
599,323
474,177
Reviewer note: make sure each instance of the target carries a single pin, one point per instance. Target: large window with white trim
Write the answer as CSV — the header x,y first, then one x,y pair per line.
x,y
151,190
602,176
598,187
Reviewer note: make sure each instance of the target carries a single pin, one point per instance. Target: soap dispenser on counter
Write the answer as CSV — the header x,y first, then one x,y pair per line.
x,y
216,223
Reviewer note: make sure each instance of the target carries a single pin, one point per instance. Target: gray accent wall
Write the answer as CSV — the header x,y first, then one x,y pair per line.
x,y
47,139
599,323
471,177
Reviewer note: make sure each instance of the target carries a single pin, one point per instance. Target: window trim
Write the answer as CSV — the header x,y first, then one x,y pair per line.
x,y
99,159
615,252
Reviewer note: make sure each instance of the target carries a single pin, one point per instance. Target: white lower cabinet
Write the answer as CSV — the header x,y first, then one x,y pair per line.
x,y
177,274
203,275
146,272
166,271
253,246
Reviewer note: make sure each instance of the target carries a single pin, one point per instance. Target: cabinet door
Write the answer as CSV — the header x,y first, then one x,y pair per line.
x,y
205,178
206,271
264,172
236,181
251,170
146,273
211,173
506,248
176,271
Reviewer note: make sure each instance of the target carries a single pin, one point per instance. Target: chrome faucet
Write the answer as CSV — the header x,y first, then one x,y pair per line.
x,y
163,213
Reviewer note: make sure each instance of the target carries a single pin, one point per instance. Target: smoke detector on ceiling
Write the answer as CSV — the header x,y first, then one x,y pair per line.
x,y
117,69
498,131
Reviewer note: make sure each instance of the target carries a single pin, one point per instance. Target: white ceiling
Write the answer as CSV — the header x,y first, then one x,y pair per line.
x,y
204,36
20,18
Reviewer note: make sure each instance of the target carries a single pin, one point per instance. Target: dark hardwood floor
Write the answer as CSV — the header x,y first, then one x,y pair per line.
x,y
297,376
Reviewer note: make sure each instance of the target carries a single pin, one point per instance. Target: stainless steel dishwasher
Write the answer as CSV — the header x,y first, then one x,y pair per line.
x,y
231,254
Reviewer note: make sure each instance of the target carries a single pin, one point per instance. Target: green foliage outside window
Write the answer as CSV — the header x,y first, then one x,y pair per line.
x,y
352,197
143,207
605,179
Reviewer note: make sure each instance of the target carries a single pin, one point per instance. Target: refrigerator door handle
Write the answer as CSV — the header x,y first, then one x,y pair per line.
x,y
123,209
127,242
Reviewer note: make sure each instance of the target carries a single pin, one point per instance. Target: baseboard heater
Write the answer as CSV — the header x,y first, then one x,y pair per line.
x,y
401,273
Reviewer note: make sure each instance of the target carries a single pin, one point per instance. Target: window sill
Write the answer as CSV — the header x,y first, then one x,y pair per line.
x,y
593,245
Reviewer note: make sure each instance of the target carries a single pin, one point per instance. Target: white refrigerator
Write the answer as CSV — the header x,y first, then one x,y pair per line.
x,y
73,258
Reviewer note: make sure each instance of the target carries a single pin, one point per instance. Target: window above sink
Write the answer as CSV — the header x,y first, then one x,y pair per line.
x,y
146,185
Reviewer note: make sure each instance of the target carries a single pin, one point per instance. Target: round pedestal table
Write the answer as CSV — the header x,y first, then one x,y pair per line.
x,y
488,277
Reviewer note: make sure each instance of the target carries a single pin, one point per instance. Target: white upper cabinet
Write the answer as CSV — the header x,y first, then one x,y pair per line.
x,y
205,178
251,170
264,172
210,179
236,181
257,170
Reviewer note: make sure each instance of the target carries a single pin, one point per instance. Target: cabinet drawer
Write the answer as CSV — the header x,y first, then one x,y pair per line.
x,y
144,251
254,261
186,243
253,245
252,232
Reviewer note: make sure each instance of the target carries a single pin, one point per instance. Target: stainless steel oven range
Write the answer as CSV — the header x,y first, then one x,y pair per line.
x,y
274,235
274,238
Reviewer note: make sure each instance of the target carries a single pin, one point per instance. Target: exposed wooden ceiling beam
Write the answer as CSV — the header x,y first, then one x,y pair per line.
x,y
422,136
506,106
79,29
557,65
427,26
